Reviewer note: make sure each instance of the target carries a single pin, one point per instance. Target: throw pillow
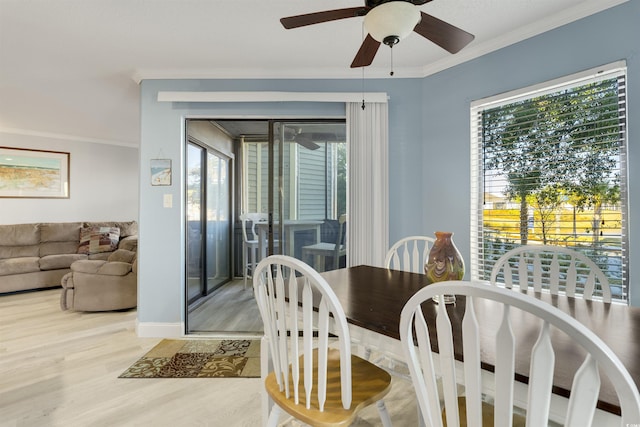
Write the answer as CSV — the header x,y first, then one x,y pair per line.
x,y
94,240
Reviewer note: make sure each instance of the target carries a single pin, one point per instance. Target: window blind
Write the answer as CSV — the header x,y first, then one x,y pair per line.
x,y
549,166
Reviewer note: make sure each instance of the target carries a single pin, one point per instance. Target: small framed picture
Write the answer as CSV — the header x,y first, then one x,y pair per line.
x,y
160,171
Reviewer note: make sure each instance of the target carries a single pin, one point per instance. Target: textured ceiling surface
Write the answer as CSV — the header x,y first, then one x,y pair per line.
x,y
70,68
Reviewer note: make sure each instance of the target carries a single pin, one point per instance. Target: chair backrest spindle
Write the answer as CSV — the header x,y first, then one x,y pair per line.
x,y
554,268
479,300
282,284
409,254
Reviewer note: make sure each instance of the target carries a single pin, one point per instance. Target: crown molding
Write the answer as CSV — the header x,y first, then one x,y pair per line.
x,y
52,135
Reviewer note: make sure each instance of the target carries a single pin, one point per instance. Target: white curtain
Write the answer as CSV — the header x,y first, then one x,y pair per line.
x,y
368,200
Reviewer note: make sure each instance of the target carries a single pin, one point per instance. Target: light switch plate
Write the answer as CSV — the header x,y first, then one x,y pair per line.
x,y
167,201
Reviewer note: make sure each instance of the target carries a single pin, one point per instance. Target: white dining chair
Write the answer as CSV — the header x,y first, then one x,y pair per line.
x,y
471,409
317,381
552,268
250,255
322,250
409,254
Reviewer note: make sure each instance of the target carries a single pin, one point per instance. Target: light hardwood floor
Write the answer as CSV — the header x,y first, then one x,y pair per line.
x,y
61,368
230,308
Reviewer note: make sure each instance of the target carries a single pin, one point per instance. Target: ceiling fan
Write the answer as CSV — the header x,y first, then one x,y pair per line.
x,y
304,139
307,139
388,22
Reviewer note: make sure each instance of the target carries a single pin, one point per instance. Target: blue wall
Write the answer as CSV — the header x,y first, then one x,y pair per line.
x,y
603,38
428,140
161,270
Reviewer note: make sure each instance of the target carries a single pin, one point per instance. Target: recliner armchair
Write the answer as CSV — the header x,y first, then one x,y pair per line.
x,y
102,285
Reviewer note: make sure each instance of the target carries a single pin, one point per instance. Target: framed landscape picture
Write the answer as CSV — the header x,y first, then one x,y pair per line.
x,y
34,173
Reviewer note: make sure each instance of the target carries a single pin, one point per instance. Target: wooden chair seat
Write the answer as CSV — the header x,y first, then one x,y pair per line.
x,y
305,377
370,384
487,415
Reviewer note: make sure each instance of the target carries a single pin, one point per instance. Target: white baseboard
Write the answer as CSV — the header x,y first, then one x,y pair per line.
x,y
159,330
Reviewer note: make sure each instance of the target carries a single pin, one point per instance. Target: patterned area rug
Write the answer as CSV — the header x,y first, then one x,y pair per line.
x,y
199,359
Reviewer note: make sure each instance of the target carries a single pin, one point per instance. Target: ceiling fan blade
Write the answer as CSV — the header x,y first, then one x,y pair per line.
x,y
306,142
367,52
445,35
319,17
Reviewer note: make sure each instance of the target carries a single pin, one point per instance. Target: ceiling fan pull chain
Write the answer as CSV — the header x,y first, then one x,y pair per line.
x,y
391,73
362,36
362,88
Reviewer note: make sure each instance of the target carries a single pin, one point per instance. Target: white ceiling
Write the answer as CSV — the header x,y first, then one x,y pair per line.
x,y
70,68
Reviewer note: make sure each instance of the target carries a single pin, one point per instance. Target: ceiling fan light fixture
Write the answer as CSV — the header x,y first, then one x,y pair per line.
x,y
392,21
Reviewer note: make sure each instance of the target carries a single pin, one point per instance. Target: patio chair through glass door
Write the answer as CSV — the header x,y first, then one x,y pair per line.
x,y
297,177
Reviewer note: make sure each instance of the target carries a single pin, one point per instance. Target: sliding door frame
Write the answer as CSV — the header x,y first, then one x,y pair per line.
x,y
204,178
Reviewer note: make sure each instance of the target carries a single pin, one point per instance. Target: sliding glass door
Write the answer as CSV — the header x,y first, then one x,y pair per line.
x,y
294,172
218,220
208,211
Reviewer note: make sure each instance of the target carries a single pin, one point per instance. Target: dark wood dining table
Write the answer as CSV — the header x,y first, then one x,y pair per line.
x,y
373,298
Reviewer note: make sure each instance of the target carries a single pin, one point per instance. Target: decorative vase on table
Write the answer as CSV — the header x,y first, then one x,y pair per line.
x,y
444,263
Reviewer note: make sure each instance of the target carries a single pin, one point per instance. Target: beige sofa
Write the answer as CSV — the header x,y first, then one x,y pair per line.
x,y
38,255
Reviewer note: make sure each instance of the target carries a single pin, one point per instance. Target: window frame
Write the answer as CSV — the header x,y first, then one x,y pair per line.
x,y
614,70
